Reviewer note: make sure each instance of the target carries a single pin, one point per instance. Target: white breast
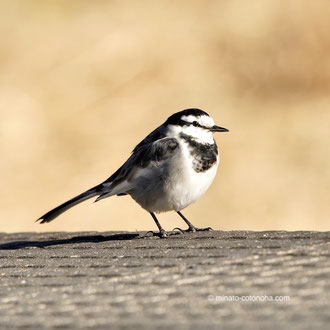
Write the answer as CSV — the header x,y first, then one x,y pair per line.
x,y
183,185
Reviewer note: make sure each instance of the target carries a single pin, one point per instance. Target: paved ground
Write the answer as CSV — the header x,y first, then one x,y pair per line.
x,y
92,280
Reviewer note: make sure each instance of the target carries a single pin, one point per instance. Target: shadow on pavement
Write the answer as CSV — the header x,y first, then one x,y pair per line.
x,y
77,239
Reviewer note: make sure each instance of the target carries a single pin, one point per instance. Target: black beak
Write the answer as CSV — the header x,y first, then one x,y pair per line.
x,y
216,128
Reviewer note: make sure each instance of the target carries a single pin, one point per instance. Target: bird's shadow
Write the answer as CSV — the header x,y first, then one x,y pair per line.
x,y
73,240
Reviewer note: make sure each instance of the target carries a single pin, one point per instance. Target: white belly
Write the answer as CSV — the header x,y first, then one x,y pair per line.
x,y
187,186
182,187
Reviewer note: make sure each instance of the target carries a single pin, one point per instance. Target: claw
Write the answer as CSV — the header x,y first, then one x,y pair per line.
x,y
204,229
160,234
181,231
193,229
175,231
164,234
149,232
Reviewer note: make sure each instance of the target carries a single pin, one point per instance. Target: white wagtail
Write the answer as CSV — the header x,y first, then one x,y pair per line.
x,y
167,171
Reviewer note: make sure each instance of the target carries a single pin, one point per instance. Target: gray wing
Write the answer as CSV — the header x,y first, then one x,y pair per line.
x,y
158,134
148,154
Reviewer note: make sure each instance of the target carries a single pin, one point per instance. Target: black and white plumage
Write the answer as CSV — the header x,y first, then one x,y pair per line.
x,y
167,171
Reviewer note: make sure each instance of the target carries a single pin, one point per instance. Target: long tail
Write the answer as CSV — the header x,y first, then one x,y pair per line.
x,y
52,214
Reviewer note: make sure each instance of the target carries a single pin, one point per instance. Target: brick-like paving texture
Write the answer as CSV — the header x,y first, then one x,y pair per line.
x,y
102,280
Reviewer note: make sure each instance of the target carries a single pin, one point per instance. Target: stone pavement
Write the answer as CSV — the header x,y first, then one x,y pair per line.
x,y
209,280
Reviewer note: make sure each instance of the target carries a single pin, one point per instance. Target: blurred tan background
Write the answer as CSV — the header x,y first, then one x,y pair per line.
x,y
83,81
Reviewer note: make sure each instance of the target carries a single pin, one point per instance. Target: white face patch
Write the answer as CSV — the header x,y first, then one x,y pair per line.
x,y
199,134
205,121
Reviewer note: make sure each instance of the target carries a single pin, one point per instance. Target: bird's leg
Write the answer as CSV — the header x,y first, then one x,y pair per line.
x,y
162,232
191,227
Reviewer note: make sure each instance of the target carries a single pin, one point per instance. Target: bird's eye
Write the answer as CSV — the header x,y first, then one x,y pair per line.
x,y
195,123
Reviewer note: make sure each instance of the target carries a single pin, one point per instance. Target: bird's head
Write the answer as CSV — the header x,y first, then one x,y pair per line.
x,y
195,123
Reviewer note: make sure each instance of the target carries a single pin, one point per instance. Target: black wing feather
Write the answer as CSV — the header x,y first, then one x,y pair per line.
x,y
138,153
156,151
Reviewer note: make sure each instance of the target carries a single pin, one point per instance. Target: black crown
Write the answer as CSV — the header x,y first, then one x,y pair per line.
x,y
175,119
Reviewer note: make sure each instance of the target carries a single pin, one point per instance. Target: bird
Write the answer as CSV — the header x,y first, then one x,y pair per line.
x,y
170,169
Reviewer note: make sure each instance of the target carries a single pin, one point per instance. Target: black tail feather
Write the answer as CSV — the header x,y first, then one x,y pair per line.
x,y
52,214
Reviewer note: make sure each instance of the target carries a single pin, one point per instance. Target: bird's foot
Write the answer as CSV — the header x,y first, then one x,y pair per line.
x,y
160,234
192,229
201,229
